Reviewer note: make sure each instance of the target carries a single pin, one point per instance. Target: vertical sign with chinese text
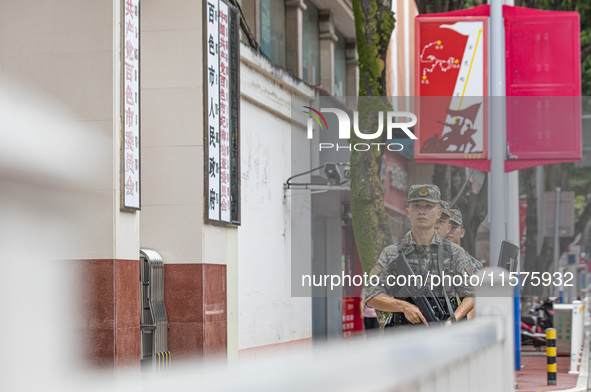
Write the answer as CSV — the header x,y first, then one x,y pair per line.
x,y
213,123
222,181
234,116
130,159
224,115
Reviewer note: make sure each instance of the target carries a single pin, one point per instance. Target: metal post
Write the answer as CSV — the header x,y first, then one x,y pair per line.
x,y
513,236
497,202
504,200
557,233
551,355
540,207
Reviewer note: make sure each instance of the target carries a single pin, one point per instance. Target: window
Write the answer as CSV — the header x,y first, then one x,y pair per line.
x,y
311,45
340,66
273,30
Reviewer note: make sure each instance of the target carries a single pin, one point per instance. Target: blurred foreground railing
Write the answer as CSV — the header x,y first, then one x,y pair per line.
x,y
476,355
467,357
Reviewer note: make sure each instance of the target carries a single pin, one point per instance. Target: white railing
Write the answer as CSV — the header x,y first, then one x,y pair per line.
x,y
470,356
467,357
576,310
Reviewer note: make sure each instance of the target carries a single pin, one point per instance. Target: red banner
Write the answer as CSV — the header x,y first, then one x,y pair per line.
x,y
543,73
451,83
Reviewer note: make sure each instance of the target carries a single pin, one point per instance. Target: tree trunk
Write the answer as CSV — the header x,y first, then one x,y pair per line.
x,y
472,202
374,23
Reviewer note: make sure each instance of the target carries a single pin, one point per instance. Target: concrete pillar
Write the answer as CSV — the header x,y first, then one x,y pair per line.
x,y
198,258
294,34
352,72
328,38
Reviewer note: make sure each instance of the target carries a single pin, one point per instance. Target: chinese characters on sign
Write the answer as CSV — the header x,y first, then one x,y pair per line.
x,y
130,160
222,128
224,115
213,115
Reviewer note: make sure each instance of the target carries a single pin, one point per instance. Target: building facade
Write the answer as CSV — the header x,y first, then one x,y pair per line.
x,y
226,287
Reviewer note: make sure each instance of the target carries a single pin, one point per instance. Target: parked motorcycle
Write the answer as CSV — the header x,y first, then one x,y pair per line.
x,y
533,328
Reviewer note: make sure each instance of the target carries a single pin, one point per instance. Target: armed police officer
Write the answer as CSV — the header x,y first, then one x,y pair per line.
x,y
427,254
443,224
455,234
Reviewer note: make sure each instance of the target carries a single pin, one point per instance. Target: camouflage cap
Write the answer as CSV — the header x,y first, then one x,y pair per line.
x,y
427,192
456,216
445,208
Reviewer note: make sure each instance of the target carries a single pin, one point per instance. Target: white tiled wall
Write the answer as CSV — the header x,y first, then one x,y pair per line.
x,y
172,130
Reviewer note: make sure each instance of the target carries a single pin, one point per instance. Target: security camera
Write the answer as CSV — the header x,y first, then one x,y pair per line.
x,y
347,172
332,173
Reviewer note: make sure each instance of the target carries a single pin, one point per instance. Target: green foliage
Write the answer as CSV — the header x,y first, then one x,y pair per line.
x,y
579,177
583,7
586,77
580,204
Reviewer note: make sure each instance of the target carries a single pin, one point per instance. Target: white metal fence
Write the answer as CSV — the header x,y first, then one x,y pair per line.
x,y
470,356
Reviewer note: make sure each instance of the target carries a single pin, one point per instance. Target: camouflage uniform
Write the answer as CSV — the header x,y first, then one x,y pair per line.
x,y
456,217
445,208
421,259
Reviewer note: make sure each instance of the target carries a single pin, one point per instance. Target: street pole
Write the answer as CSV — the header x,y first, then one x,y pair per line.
x,y
497,203
556,237
540,207
504,201
514,236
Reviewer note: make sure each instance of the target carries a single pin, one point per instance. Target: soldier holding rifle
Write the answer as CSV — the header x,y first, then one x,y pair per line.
x,y
455,234
427,254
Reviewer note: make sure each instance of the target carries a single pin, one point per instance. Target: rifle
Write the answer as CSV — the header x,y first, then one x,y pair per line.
x,y
433,312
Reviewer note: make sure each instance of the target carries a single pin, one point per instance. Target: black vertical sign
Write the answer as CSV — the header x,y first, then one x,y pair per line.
x,y
234,116
221,134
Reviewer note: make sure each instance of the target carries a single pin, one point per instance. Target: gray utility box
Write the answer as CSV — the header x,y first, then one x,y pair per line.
x,y
563,321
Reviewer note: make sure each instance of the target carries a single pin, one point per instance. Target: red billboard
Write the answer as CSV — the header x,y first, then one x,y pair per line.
x,y
543,69
451,83
543,79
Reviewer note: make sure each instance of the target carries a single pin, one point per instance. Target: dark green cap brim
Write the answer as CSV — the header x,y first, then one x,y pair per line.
x,y
426,199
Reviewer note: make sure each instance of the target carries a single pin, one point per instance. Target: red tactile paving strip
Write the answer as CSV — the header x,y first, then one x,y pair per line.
x,y
533,376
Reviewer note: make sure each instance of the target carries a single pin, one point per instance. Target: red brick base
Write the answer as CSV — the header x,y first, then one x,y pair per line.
x,y
195,300
109,316
109,302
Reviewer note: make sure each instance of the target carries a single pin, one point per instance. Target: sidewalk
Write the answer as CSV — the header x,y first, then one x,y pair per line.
x,y
533,376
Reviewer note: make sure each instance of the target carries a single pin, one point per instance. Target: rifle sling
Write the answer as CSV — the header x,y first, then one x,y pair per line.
x,y
440,262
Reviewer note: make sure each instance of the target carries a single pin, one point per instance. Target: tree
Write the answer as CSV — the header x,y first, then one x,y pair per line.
x,y
374,23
